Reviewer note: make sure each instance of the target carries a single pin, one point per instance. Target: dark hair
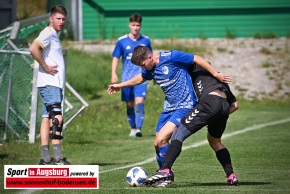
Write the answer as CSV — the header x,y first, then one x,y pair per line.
x,y
135,18
140,53
58,9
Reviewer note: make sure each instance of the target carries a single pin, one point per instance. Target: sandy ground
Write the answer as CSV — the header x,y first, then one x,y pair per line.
x,y
260,68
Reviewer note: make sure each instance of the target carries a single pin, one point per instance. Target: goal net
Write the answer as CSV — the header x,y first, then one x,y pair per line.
x,y
20,104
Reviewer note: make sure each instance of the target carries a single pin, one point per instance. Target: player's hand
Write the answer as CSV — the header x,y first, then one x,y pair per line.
x,y
51,69
113,88
224,78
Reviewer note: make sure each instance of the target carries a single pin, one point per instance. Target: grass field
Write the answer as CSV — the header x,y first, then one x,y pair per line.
x,y
257,137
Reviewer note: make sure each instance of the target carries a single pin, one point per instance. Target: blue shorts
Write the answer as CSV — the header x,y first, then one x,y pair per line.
x,y
172,116
50,95
130,93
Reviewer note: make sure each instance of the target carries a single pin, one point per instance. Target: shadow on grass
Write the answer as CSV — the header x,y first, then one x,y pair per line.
x,y
2,156
150,135
95,97
186,184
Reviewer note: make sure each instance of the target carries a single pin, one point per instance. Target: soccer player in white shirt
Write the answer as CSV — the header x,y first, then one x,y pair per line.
x,y
47,51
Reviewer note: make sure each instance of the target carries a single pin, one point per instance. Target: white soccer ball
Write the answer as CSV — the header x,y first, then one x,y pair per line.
x,y
136,176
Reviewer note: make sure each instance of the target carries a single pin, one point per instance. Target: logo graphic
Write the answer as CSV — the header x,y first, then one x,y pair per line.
x,y
190,117
51,177
129,56
165,70
199,86
128,47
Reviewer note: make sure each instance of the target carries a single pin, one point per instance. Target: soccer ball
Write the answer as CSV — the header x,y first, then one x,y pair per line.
x,y
136,176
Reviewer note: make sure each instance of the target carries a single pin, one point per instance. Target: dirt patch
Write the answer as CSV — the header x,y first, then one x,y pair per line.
x,y
260,68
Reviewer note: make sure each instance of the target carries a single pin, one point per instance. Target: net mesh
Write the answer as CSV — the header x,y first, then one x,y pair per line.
x,y
15,92
4,34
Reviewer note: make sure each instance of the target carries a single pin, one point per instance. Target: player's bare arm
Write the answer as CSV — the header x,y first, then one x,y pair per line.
x,y
220,76
36,51
114,88
233,107
114,77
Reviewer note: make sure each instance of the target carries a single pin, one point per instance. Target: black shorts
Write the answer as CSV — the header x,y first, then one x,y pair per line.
x,y
211,111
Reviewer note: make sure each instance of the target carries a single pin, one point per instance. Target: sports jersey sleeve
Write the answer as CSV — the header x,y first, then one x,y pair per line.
x,y
44,38
230,96
148,75
182,58
118,50
149,46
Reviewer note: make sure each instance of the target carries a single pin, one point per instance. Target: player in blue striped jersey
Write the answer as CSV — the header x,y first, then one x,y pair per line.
x,y
136,94
169,71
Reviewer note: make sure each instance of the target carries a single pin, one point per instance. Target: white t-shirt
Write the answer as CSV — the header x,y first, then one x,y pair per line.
x,y
52,54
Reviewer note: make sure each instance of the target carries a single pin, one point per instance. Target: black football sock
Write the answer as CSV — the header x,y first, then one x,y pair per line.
x,y
171,154
224,158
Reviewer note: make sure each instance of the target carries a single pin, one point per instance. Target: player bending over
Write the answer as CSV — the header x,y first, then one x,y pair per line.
x,y
216,102
169,71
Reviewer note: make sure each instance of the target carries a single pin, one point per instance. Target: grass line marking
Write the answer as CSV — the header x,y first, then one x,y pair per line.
x,y
245,130
194,145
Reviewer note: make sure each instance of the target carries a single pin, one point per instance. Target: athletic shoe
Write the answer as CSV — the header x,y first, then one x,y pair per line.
x,y
51,162
232,179
133,133
62,161
160,175
163,183
138,133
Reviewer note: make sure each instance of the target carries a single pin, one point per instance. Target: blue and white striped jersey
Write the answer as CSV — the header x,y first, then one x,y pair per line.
x,y
172,76
125,47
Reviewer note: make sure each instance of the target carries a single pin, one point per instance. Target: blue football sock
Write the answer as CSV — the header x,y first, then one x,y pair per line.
x,y
139,115
131,117
160,154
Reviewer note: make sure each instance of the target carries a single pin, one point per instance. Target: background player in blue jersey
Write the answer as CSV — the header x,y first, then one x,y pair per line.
x,y
136,94
216,102
169,71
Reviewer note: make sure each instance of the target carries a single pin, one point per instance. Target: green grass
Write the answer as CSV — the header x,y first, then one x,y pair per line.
x,y
99,136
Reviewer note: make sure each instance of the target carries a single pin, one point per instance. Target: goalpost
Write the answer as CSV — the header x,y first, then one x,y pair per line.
x,y
19,113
